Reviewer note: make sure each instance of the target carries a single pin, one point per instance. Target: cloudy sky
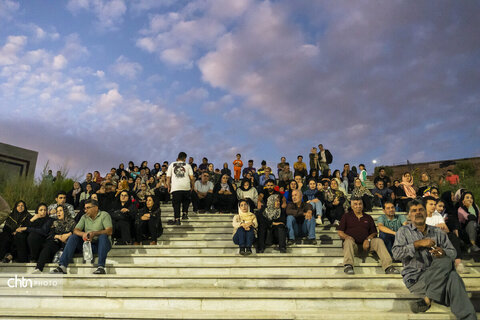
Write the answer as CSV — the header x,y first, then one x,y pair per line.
x,y
92,83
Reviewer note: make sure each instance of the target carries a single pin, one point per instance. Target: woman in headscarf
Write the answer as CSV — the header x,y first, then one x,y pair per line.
x,y
148,224
58,233
468,218
273,230
335,202
405,191
123,218
244,228
360,191
224,195
292,185
226,170
31,237
73,196
131,167
247,192
87,193
424,184
16,219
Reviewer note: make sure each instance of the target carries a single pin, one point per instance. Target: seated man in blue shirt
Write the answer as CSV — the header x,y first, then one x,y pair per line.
x,y
389,223
428,269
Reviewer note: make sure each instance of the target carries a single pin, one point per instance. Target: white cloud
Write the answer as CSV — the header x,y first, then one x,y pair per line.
x,y
7,9
78,94
193,95
8,53
109,13
59,62
125,68
73,49
177,37
109,100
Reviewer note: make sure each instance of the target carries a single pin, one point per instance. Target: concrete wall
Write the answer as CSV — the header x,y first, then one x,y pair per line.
x,y
17,161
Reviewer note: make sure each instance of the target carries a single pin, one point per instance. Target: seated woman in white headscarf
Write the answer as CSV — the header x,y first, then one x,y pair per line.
x,y
244,228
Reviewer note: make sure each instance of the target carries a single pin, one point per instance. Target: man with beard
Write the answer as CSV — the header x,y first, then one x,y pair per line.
x,y
428,269
267,192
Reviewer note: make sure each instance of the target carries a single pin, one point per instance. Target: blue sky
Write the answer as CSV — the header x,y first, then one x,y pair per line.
x,y
93,83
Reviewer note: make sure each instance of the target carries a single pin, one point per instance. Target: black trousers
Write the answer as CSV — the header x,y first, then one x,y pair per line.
x,y
457,244
6,243
367,203
148,228
35,244
335,213
50,247
162,195
268,235
28,245
225,203
123,228
180,198
201,204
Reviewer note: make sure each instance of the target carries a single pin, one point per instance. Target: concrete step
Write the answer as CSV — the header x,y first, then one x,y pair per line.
x,y
109,282
246,268
440,313
153,257
130,300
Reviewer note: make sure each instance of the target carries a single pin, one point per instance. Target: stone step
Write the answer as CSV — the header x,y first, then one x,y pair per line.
x,y
209,299
227,243
338,281
324,235
440,313
218,228
152,256
246,268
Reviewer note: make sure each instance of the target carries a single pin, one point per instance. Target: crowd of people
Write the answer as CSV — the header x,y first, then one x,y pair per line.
x,y
123,207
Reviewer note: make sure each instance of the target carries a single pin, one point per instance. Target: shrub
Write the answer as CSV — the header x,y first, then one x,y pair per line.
x,y
32,192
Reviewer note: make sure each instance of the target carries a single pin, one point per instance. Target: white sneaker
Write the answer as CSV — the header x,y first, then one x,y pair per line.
x,y
36,271
319,221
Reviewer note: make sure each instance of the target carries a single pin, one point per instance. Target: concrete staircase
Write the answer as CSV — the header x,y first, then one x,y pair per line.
x,y
195,272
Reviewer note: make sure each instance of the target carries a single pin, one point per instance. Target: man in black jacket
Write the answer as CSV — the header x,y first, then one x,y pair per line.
x,y
324,157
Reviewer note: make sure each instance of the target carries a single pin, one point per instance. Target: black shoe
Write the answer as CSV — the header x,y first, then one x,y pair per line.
x,y
298,241
391,270
310,241
185,216
348,269
100,270
171,222
283,250
201,211
242,251
58,270
259,250
290,242
177,222
212,210
248,251
419,306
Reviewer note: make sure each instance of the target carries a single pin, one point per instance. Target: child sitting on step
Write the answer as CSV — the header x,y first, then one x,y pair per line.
x,y
244,228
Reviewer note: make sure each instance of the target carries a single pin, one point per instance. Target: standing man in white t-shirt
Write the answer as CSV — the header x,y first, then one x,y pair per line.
x,y
180,184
